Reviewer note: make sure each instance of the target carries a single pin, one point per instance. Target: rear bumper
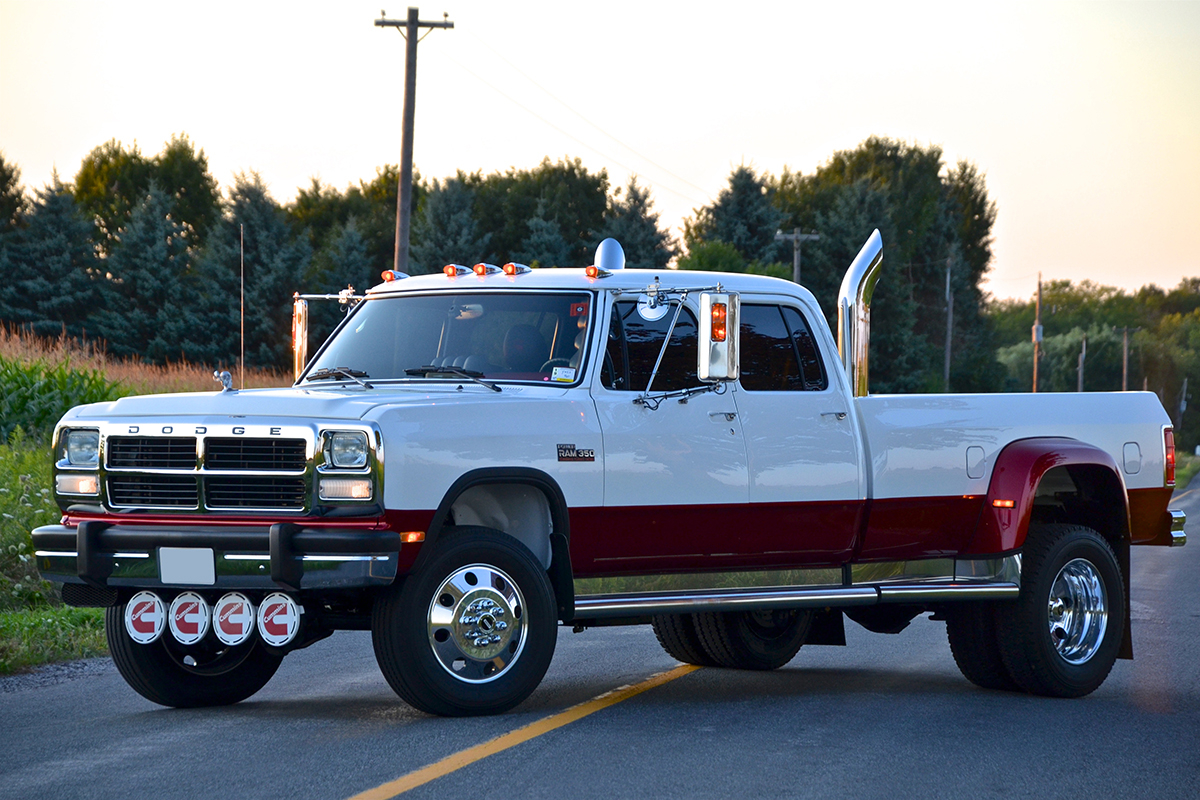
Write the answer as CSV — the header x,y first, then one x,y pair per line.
x,y
283,555
1178,536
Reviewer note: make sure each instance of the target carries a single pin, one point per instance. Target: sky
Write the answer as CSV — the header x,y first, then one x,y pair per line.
x,y
1083,116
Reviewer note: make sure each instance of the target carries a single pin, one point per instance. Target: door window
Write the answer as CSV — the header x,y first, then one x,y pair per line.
x,y
778,351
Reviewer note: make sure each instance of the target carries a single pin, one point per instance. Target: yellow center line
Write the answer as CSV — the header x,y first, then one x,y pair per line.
x,y
513,738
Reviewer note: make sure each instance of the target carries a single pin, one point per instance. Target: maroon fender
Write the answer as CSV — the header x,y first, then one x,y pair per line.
x,y
1007,509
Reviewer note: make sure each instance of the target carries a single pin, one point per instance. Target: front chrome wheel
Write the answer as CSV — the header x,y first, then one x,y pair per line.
x,y
1077,611
476,623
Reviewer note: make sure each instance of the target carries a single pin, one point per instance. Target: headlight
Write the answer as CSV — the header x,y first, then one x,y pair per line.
x,y
348,449
83,448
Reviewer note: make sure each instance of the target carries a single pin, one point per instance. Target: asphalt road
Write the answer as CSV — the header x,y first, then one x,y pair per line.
x,y
886,717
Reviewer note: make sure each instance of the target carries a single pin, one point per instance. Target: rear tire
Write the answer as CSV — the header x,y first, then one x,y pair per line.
x,y
473,632
1062,635
753,639
159,671
678,636
971,629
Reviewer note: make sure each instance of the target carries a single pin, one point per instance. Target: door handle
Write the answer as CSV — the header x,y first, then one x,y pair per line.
x,y
839,414
729,416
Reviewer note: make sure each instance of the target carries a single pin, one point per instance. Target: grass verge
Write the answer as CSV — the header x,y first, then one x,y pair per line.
x,y
1186,467
34,636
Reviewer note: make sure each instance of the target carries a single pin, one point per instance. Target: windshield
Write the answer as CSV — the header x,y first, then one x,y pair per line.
x,y
501,336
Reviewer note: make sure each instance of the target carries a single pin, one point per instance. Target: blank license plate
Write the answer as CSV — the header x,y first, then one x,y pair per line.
x,y
187,565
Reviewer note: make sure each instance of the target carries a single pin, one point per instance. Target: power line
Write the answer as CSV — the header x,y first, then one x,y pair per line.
x,y
571,136
564,104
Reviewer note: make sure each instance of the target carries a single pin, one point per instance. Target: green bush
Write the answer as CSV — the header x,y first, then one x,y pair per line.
x,y
33,396
25,503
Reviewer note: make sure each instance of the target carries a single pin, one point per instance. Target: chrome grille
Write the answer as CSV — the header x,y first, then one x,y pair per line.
x,y
151,452
275,455
248,493
144,491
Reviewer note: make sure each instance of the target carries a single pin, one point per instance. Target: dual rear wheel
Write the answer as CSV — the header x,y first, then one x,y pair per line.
x,y
1061,636
738,639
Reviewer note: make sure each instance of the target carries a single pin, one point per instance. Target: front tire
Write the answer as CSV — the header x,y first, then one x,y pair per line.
x,y
1061,637
753,639
473,632
206,674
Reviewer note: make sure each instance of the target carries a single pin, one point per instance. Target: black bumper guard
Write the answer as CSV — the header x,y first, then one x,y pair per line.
x,y
95,543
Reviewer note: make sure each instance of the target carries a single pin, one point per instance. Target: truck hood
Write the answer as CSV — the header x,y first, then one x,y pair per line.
x,y
327,403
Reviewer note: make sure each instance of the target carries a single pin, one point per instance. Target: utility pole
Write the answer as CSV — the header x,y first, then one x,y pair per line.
x,y
408,29
1037,333
796,237
949,325
1082,358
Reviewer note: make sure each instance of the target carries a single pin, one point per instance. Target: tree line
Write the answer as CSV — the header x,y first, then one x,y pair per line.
x,y
145,253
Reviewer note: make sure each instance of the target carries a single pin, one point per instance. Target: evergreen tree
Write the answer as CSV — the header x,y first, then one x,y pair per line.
x,y
276,263
12,197
544,246
145,286
631,222
343,262
743,216
444,230
52,267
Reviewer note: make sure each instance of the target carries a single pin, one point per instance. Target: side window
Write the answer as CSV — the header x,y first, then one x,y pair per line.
x,y
633,347
778,351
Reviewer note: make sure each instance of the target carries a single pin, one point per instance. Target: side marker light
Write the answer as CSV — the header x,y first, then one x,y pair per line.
x,y
1004,503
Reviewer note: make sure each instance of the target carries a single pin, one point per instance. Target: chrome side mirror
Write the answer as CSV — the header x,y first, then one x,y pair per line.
x,y
720,332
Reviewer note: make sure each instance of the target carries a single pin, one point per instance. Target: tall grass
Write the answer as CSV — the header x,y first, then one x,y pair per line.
x,y
134,376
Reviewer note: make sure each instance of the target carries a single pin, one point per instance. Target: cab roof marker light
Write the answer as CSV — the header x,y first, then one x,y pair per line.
x,y
596,272
390,275
454,270
516,269
486,269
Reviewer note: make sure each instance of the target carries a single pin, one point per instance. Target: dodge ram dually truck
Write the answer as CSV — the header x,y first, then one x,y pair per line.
x,y
477,456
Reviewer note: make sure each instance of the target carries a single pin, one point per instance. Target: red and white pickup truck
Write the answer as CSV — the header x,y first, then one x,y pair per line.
x,y
477,456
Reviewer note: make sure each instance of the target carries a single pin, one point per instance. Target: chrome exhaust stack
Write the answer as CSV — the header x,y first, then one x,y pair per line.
x,y
854,312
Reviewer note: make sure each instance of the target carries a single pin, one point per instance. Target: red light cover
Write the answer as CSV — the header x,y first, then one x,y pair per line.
x,y
510,268
480,269
592,271
388,275
1169,449
450,271
1003,503
718,322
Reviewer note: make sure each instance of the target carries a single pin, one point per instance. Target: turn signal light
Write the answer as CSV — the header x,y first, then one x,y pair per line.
x,y
718,322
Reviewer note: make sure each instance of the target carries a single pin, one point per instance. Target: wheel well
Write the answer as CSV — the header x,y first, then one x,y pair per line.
x,y
521,502
1084,494
519,510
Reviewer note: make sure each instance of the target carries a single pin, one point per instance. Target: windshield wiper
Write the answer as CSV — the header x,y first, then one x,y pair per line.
x,y
469,374
337,373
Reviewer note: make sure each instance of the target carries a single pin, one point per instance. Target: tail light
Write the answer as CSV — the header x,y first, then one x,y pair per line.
x,y
1169,456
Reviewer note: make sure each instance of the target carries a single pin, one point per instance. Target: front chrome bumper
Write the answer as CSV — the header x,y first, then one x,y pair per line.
x,y
282,555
